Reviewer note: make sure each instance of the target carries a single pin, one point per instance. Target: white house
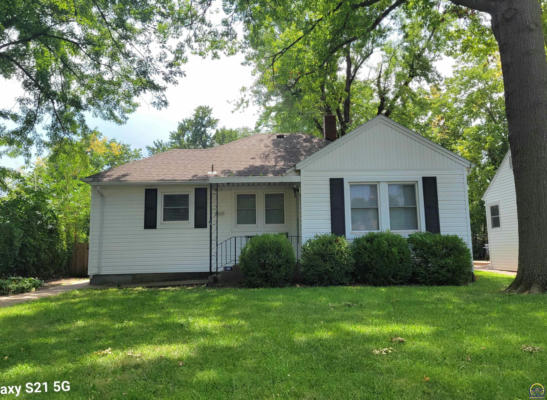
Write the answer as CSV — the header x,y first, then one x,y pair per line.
x,y
501,214
189,212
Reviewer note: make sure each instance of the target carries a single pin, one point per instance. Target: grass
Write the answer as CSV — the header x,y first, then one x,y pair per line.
x,y
305,343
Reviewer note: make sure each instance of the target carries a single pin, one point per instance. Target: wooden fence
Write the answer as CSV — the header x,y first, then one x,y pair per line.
x,y
80,255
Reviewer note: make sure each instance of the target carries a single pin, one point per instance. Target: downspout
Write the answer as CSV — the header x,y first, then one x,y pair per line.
x,y
210,228
296,197
101,228
296,191
216,228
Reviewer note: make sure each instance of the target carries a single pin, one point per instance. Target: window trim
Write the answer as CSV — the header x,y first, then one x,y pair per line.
x,y
255,194
417,207
284,208
177,192
496,204
378,206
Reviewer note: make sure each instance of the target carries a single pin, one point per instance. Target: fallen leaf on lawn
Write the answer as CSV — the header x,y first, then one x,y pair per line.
x,y
384,351
483,348
6,357
131,354
181,363
397,339
468,358
104,352
530,349
426,378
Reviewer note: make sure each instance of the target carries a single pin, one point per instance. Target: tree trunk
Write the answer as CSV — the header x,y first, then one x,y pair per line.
x,y
518,30
517,26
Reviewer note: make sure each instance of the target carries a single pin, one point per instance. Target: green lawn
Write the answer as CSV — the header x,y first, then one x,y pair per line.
x,y
305,343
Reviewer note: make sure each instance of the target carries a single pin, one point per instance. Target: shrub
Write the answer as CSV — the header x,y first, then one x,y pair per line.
x,y
267,260
31,243
382,258
440,259
18,285
326,260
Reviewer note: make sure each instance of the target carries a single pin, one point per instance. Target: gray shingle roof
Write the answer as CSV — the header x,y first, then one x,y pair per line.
x,y
256,155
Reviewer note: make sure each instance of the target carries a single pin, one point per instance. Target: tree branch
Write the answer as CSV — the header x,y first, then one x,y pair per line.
x,y
479,5
365,4
40,88
280,53
24,40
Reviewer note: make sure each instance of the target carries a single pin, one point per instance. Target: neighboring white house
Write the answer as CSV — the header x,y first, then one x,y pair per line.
x,y
189,212
501,214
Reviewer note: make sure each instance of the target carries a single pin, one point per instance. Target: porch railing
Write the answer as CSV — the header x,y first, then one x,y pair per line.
x,y
229,250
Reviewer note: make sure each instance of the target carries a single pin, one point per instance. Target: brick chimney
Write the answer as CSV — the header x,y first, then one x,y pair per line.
x,y
329,127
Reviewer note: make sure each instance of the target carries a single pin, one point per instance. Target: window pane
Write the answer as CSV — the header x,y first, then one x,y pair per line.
x,y
175,200
363,196
495,222
275,217
401,195
364,219
401,219
246,201
274,201
275,213
175,214
494,211
245,217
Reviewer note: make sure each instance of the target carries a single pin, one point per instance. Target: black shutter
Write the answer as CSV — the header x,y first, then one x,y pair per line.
x,y
337,212
431,204
150,208
200,208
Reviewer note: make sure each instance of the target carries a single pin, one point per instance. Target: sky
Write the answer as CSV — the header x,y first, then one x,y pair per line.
x,y
215,83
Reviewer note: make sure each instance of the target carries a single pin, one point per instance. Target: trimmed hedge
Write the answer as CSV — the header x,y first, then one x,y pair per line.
x,y
382,258
440,259
15,285
267,260
326,260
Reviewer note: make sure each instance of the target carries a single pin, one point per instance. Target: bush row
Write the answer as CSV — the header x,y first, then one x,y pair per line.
x,y
18,285
380,259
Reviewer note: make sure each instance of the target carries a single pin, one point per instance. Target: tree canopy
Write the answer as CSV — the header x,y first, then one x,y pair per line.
x,y
197,132
78,58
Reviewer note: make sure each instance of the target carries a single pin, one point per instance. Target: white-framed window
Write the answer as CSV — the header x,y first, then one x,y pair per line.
x,y
403,209
274,208
246,209
176,207
364,207
495,220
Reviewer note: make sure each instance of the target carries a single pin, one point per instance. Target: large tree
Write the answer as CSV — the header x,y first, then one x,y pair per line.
x,y
306,69
195,132
198,132
79,57
517,26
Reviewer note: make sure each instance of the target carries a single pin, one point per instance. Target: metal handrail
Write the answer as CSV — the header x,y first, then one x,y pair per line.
x,y
229,250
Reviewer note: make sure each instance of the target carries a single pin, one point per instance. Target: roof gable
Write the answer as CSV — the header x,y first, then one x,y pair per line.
x,y
503,165
381,120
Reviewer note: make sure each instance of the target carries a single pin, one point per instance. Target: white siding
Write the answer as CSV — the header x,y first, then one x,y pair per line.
x,y
383,154
503,241
119,244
